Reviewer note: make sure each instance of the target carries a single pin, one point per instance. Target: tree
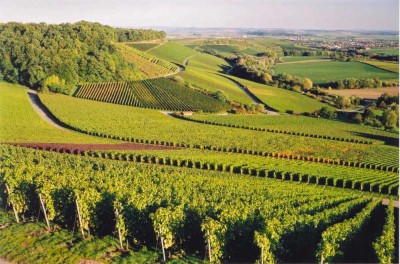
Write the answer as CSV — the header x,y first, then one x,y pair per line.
x,y
389,119
357,118
307,84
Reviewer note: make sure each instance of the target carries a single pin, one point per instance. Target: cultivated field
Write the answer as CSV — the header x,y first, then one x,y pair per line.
x,y
374,93
325,72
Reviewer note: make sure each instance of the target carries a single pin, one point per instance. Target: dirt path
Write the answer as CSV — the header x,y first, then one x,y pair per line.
x,y
186,61
41,110
4,261
254,98
159,45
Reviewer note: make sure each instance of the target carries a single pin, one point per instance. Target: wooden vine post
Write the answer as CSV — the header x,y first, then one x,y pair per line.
x,y
44,211
162,243
79,218
119,230
209,245
15,211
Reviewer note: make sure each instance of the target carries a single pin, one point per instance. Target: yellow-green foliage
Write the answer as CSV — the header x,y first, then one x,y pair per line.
x,y
128,121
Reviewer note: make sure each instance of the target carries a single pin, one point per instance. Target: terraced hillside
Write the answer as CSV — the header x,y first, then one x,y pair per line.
x,y
149,66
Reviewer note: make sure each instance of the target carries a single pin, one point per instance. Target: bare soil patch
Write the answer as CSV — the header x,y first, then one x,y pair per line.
x,y
370,93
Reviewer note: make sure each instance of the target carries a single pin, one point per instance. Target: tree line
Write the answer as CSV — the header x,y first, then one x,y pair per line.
x,y
58,57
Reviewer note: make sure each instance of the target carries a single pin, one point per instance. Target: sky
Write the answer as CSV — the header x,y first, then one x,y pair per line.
x,y
287,14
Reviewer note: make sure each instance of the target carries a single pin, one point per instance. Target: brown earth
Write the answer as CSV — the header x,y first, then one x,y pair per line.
x,y
80,147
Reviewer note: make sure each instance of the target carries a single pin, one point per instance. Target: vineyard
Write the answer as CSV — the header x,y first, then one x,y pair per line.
x,y
221,217
161,93
134,123
148,65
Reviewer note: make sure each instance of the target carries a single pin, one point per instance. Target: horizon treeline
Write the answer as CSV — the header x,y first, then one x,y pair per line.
x,y
58,57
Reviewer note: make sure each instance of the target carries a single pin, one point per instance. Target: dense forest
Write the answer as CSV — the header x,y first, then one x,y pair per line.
x,y
139,34
58,57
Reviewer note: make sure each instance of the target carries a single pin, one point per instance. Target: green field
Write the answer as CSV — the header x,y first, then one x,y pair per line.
x,y
173,51
385,51
325,72
146,124
389,66
301,58
281,99
20,123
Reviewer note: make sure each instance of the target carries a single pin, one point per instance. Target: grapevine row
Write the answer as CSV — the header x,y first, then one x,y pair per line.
x,y
146,204
369,184
279,131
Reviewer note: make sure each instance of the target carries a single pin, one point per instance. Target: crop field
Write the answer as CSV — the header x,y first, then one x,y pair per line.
x,y
281,99
161,93
389,66
266,214
173,51
213,82
373,93
129,122
148,65
17,112
301,58
385,51
325,72
143,46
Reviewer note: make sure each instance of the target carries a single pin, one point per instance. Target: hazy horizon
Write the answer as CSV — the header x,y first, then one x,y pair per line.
x,y
372,15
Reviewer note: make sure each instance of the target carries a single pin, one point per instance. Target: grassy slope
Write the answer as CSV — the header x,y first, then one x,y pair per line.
x,y
20,123
323,72
152,125
281,99
389,66
173,51
209,63
213,82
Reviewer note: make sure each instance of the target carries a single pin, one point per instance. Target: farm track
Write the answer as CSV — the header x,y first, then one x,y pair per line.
x,y
255,99
42,111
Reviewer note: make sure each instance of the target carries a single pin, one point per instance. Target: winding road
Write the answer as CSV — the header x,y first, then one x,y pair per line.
x,y
42,111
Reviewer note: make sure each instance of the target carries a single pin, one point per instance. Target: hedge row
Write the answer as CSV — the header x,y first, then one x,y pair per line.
x,y
351,140
236,169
